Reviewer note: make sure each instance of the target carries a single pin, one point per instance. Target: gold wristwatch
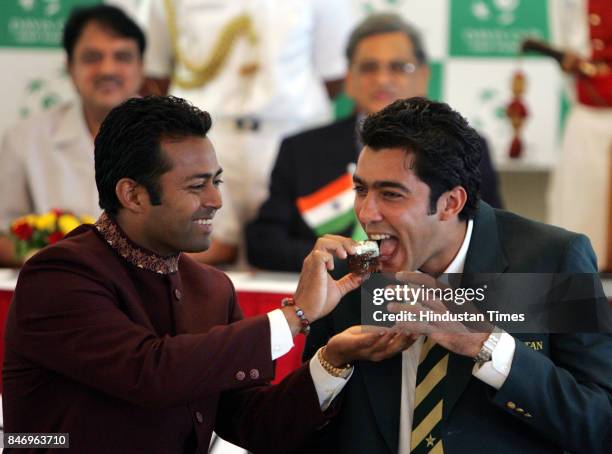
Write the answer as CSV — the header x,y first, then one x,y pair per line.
x,y
342,372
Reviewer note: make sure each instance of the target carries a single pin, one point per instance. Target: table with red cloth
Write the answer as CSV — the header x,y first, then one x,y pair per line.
x,y
258,293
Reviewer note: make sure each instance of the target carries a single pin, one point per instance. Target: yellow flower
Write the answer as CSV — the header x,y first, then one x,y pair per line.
x,y
87,219
30,219
67,223
46,221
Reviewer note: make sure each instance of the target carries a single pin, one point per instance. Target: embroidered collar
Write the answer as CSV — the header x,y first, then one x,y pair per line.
x,y
131,252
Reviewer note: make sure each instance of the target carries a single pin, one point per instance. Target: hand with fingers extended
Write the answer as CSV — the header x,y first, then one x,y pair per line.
x,y
367,343
317,292
455,336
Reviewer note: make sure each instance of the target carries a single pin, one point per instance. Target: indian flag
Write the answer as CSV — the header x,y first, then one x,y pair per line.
x,y
330,209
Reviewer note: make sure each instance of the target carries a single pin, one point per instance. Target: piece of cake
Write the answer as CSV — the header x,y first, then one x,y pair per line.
x,y
365,260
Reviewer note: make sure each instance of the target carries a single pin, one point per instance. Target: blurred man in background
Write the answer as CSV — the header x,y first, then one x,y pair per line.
x,y
47,160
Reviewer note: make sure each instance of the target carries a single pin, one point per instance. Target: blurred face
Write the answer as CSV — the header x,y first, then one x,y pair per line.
x,y
392,205
383,70
190,197
106,69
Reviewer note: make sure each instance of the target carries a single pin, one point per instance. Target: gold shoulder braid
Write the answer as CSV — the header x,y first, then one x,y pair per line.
x,y
239,26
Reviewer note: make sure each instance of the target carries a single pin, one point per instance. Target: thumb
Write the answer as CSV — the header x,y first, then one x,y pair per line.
x,y
349,283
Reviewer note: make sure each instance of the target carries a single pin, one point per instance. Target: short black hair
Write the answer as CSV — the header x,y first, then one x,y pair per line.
x,y
380,23
107,16
129,143
446,148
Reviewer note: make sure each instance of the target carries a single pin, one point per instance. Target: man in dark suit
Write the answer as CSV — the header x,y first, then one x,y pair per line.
x,y
417,193
117,338
310,186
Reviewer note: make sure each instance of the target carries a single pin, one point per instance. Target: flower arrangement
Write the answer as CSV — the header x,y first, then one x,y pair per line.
x,y
35,231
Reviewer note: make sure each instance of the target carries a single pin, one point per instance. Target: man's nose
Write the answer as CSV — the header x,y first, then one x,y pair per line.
x,y
108,65
383,75
212,198
367,209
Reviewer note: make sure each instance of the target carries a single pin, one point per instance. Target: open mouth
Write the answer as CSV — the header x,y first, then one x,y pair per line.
x,y
387,244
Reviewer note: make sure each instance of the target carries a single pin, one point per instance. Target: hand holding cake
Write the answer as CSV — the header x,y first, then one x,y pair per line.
x,y
318,293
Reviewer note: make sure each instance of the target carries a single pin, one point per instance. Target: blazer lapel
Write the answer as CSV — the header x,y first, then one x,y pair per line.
x,y
485,255
383,382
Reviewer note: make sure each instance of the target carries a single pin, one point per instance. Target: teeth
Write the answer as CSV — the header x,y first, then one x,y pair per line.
x,y
379,236
203,221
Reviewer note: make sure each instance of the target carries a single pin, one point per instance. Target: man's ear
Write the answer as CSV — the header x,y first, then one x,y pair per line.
x,y
451,203
421,79
348,84
132,195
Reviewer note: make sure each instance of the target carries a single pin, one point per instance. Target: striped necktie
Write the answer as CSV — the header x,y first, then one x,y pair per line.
x,y
428,400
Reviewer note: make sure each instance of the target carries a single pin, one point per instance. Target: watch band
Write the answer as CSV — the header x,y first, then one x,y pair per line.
x,y
342,372
486,352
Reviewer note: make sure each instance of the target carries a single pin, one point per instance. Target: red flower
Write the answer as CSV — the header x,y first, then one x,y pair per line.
x,y
23,230
55,237
57,212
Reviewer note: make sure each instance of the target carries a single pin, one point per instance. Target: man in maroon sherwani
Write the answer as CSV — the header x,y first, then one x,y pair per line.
x,y
129,346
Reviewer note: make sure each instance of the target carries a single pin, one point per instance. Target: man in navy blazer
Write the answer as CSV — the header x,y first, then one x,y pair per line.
x,y
417,193
387,61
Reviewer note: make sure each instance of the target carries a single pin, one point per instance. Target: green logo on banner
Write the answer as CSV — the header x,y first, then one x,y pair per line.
x,y
44,93
495,28
492,106
35,23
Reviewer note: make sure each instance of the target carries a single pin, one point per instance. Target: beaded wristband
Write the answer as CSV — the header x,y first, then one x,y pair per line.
x,y
304,322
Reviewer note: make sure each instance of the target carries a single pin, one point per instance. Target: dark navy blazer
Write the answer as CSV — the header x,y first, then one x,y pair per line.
x,y
565,385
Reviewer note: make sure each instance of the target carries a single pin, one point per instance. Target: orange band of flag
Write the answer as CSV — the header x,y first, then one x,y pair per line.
x,y
325,193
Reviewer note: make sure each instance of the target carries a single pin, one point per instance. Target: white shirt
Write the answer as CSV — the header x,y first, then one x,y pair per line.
x,y
570,26
48,162
299,44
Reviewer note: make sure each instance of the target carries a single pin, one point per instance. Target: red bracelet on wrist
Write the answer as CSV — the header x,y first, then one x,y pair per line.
x,y
304,322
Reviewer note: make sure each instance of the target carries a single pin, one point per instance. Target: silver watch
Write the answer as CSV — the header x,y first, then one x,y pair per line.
x,y
485,353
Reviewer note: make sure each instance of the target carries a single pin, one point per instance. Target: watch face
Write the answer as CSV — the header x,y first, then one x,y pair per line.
x,y
483,357
486,352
